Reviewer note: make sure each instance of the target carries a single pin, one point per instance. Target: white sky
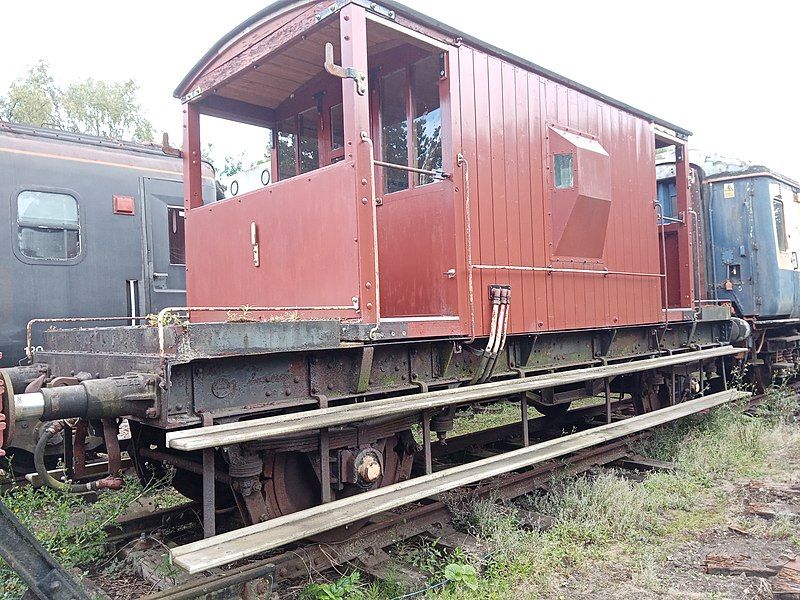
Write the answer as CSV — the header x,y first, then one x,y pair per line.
x,y
725,69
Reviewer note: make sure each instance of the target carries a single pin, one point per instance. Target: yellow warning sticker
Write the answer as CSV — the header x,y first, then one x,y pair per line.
x,y
728,191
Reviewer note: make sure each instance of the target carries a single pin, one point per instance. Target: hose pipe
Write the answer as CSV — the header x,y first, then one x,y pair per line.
x,y
53,429
502,334
487,353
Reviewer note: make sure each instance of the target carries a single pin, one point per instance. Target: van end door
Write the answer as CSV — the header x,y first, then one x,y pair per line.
x,y
164,264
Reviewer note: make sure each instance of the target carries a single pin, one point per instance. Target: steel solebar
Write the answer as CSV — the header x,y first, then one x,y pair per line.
x,y
235,545
281,425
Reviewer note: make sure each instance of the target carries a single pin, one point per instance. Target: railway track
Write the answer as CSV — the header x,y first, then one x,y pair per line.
x,y
430,517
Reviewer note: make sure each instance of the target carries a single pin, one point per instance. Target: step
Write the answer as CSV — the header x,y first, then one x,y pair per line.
x,y
235,545
279,426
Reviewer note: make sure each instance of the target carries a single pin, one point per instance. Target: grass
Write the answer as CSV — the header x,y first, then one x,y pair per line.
x,y
597,517
71,529
604,516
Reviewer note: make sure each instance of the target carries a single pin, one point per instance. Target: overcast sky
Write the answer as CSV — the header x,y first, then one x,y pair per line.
x,y
726,70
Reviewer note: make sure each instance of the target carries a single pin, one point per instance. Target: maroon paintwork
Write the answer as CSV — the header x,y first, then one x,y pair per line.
x,y
586,256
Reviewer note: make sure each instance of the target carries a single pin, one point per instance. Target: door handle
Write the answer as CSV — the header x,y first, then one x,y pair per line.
x,y
794,261
160,275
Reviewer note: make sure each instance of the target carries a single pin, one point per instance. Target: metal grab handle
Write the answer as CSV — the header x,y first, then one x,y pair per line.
x,y
156,275
345,72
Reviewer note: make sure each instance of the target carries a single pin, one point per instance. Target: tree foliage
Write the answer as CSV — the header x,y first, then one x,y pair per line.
x,y
102,108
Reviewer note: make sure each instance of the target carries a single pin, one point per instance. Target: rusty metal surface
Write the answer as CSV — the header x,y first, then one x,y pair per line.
x,y
198,340
231,384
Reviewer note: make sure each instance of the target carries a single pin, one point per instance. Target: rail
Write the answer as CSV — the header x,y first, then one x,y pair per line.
x,y
388,165
565,270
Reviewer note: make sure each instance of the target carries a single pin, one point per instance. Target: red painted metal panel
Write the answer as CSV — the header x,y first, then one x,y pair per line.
x,y
415,249
306,230
511,176
513,200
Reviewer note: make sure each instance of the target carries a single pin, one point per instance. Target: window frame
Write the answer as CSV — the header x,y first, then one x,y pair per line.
x,y
405,62
571,170
14,224
322,94
180,209
781,237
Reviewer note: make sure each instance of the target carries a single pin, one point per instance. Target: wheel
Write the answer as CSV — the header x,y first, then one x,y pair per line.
x,y
291,482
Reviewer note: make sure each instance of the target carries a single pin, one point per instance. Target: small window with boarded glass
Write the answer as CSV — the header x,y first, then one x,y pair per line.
x,y
176,236
309,143
780,225
287,149
48,225
563,171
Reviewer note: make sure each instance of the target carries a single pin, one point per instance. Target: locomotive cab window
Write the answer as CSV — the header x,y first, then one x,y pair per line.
x,y
48,226
780,225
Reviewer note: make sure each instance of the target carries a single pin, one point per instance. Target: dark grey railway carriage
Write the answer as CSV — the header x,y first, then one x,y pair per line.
x,y
94,228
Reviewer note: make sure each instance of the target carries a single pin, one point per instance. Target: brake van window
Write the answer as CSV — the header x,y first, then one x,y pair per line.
x,y
48,227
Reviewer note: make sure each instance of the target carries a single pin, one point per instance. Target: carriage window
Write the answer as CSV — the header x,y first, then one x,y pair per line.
x,y
309,142
48,226
395,129
175,235
427,117
287,142
780,224
337,127
562,171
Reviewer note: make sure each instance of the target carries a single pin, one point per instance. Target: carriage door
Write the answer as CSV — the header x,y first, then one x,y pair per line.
x,y
164,262
416,228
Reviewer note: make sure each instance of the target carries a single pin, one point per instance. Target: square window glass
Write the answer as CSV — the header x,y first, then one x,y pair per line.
x,y
562,171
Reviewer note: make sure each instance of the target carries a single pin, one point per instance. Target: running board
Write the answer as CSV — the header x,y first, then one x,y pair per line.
x,y
281,425
235,545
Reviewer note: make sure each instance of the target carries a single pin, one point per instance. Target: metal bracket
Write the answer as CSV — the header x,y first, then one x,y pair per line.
x,y
345,72
370,6
192,95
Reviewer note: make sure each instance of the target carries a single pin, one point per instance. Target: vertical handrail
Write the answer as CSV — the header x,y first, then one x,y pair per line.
x,y
662,224
462,161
